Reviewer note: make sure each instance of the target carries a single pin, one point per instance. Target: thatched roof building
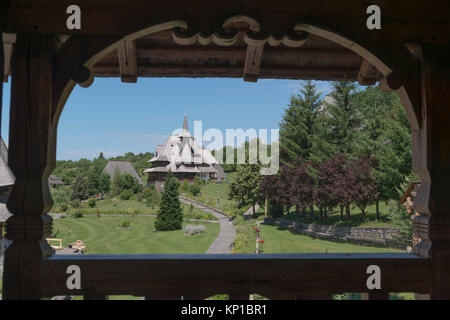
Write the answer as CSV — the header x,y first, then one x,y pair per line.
x,y
181,155
122,167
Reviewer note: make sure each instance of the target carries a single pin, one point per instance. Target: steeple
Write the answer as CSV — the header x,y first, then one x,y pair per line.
x,y
185,125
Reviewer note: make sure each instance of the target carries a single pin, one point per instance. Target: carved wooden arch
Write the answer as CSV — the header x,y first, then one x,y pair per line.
x,y
185,34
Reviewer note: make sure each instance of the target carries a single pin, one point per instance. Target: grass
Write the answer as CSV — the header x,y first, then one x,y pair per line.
x,y
213,192
118,206
101,236
278,240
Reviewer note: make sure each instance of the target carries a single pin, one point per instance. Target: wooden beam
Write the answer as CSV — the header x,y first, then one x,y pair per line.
x,y
9,39
271,275
252,65
367,74
266,72
418,23
205,52
128,61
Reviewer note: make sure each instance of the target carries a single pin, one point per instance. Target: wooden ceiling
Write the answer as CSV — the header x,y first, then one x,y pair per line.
x,y
159,55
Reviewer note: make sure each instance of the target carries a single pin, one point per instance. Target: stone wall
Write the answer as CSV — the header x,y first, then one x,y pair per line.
x,y
377,237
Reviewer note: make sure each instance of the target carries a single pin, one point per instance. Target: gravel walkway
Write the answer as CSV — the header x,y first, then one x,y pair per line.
x,y
224,240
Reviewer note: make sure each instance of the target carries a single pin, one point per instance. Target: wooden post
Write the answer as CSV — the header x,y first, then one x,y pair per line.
x,y
431,146
32,146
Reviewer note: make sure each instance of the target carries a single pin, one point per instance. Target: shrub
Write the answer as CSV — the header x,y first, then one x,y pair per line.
x,y
194,189
78,214
91,203
184,187
192,229
64,207
140,197
126,195
75,203
151,196
98,214
124,224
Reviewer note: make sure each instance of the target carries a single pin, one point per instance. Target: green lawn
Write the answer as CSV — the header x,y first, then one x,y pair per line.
x,y
118,206
278,240
102,237
213,192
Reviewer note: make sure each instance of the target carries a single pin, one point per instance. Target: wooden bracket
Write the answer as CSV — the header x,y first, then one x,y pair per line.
x,y
253,59
9,39
367,74
128,61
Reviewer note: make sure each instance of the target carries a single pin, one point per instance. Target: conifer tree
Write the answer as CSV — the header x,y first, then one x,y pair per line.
x,y
337,124
297,125
170,214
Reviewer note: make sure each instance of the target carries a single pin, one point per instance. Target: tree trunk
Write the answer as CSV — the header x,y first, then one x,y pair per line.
x,y
377,206
265,207
311,210
304,212
254,212
347,211
342,212
297,210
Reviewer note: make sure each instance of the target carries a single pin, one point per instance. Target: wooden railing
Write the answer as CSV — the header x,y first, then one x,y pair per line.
x,y
275,276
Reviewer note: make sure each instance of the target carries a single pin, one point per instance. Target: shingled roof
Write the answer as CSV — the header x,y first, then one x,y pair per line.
x,y
6,176
123,167
4,213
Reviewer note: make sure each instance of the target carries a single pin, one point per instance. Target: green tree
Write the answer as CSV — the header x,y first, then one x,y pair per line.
x,y
170,213
151,196
79,188
384,135
337,124
297,125
246,188
104,184
116,183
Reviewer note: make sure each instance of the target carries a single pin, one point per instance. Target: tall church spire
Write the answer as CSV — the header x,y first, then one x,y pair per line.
x,y
185,125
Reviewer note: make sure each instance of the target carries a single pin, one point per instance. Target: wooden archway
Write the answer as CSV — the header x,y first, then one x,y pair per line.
x,y
411,55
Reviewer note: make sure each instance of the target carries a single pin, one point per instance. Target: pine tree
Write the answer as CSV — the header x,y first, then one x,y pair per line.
x,y
170,214
337,124
297,125
79,188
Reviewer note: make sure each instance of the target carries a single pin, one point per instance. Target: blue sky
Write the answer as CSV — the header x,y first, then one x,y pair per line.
x,y
115,117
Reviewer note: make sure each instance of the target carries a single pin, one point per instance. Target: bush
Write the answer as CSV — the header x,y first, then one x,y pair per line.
x,y
192,229
75,203
151,196
78,214
64,207
124,224
140,197
91,203
194,189
126,195
98,213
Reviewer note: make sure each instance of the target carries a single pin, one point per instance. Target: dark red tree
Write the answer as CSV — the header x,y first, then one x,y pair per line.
x,y
302,188
363,186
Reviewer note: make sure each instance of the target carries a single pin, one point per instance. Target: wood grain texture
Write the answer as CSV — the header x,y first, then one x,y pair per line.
x,y
277,276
